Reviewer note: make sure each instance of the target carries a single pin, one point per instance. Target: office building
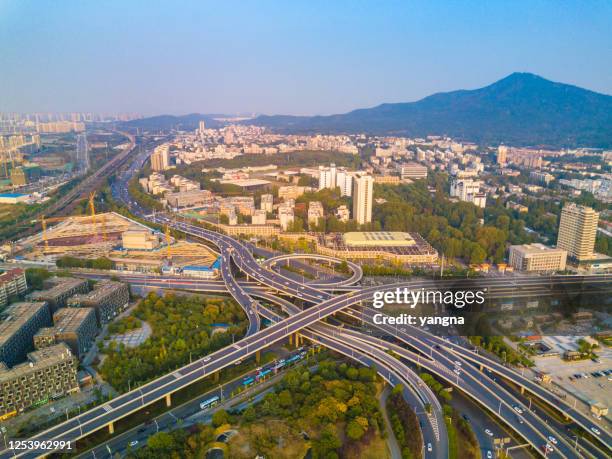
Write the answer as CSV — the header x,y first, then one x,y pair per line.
x,y
413,171
362,199
193,198
160,159
577,231
20,322
108,298
292,191
49,374
12,283
62,289
344,181
536,257
77,327
267,202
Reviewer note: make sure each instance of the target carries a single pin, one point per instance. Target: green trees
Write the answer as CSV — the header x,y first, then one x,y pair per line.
x,y
405,424
337,400
95,263
181,330
35,277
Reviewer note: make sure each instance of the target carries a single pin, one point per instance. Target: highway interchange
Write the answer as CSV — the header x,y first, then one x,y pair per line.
x,y
454,363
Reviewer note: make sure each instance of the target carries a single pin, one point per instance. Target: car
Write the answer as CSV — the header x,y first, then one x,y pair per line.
x,y
549,448
488,432
206,359
595,430
457,371
458,363
489,454
552,439
133,443
465,416
520,420
429,447
517,409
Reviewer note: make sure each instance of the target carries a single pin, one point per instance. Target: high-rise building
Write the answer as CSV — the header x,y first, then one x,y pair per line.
x,y
202,127
362,198
468,190
285,215
327,177
344,181
160,159
82,153
577,231
502,153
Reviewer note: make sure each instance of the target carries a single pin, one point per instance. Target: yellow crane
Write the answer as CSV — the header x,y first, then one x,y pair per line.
x,y
43,221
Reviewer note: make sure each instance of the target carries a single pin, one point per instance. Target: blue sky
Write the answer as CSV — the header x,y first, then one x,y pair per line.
x,y
292,57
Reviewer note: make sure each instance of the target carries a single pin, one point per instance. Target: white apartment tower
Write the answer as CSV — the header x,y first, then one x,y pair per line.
x,y
327,177
577,231
344,180
362,199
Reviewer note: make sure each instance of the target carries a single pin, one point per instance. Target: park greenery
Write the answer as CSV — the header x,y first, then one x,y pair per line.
x,y
336,405
182,329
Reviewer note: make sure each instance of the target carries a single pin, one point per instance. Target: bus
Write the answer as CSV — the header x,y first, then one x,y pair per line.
x,y
248,381
204,405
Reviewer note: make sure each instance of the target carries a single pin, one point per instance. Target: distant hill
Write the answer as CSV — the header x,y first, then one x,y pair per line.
x,y
521,109
167,122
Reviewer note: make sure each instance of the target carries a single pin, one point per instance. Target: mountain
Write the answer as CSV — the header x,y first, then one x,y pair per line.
x,y
521,109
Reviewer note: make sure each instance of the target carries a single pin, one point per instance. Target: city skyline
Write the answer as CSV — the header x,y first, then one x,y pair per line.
x,y
277,59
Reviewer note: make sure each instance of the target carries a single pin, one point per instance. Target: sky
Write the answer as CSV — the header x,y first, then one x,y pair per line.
x,y
286,57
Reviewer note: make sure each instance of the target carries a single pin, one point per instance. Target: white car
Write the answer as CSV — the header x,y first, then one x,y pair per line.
x,y
206,359
595,430
133,443
489,454
518,409
549,448
458,363
456,371
488,432
552,439
429,447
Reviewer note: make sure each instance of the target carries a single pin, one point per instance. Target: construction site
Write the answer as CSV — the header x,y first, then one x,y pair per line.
x,y
129,244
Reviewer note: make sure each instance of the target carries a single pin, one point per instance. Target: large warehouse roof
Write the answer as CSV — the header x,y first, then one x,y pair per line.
x,y
378,239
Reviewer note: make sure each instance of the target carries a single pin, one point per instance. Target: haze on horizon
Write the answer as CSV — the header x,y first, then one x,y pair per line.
x,y
277,57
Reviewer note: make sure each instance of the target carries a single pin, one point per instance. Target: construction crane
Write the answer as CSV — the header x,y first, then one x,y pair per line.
x,y
43,221
92,210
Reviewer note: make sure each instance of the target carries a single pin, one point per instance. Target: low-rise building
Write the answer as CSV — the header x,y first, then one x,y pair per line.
x,y
192,198
77,327
142,239
258,217
413,171
50,373
343,214
537,257
12,283
267,202
62,289
20,322
315,212
108,298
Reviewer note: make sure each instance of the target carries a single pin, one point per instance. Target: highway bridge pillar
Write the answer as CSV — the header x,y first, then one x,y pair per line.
x,y
111,428
216,377
168,399
522,390
258,356
291,339
481,368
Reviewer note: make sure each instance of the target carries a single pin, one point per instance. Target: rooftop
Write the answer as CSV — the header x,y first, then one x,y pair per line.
x,y
15,316
378,239
38,359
